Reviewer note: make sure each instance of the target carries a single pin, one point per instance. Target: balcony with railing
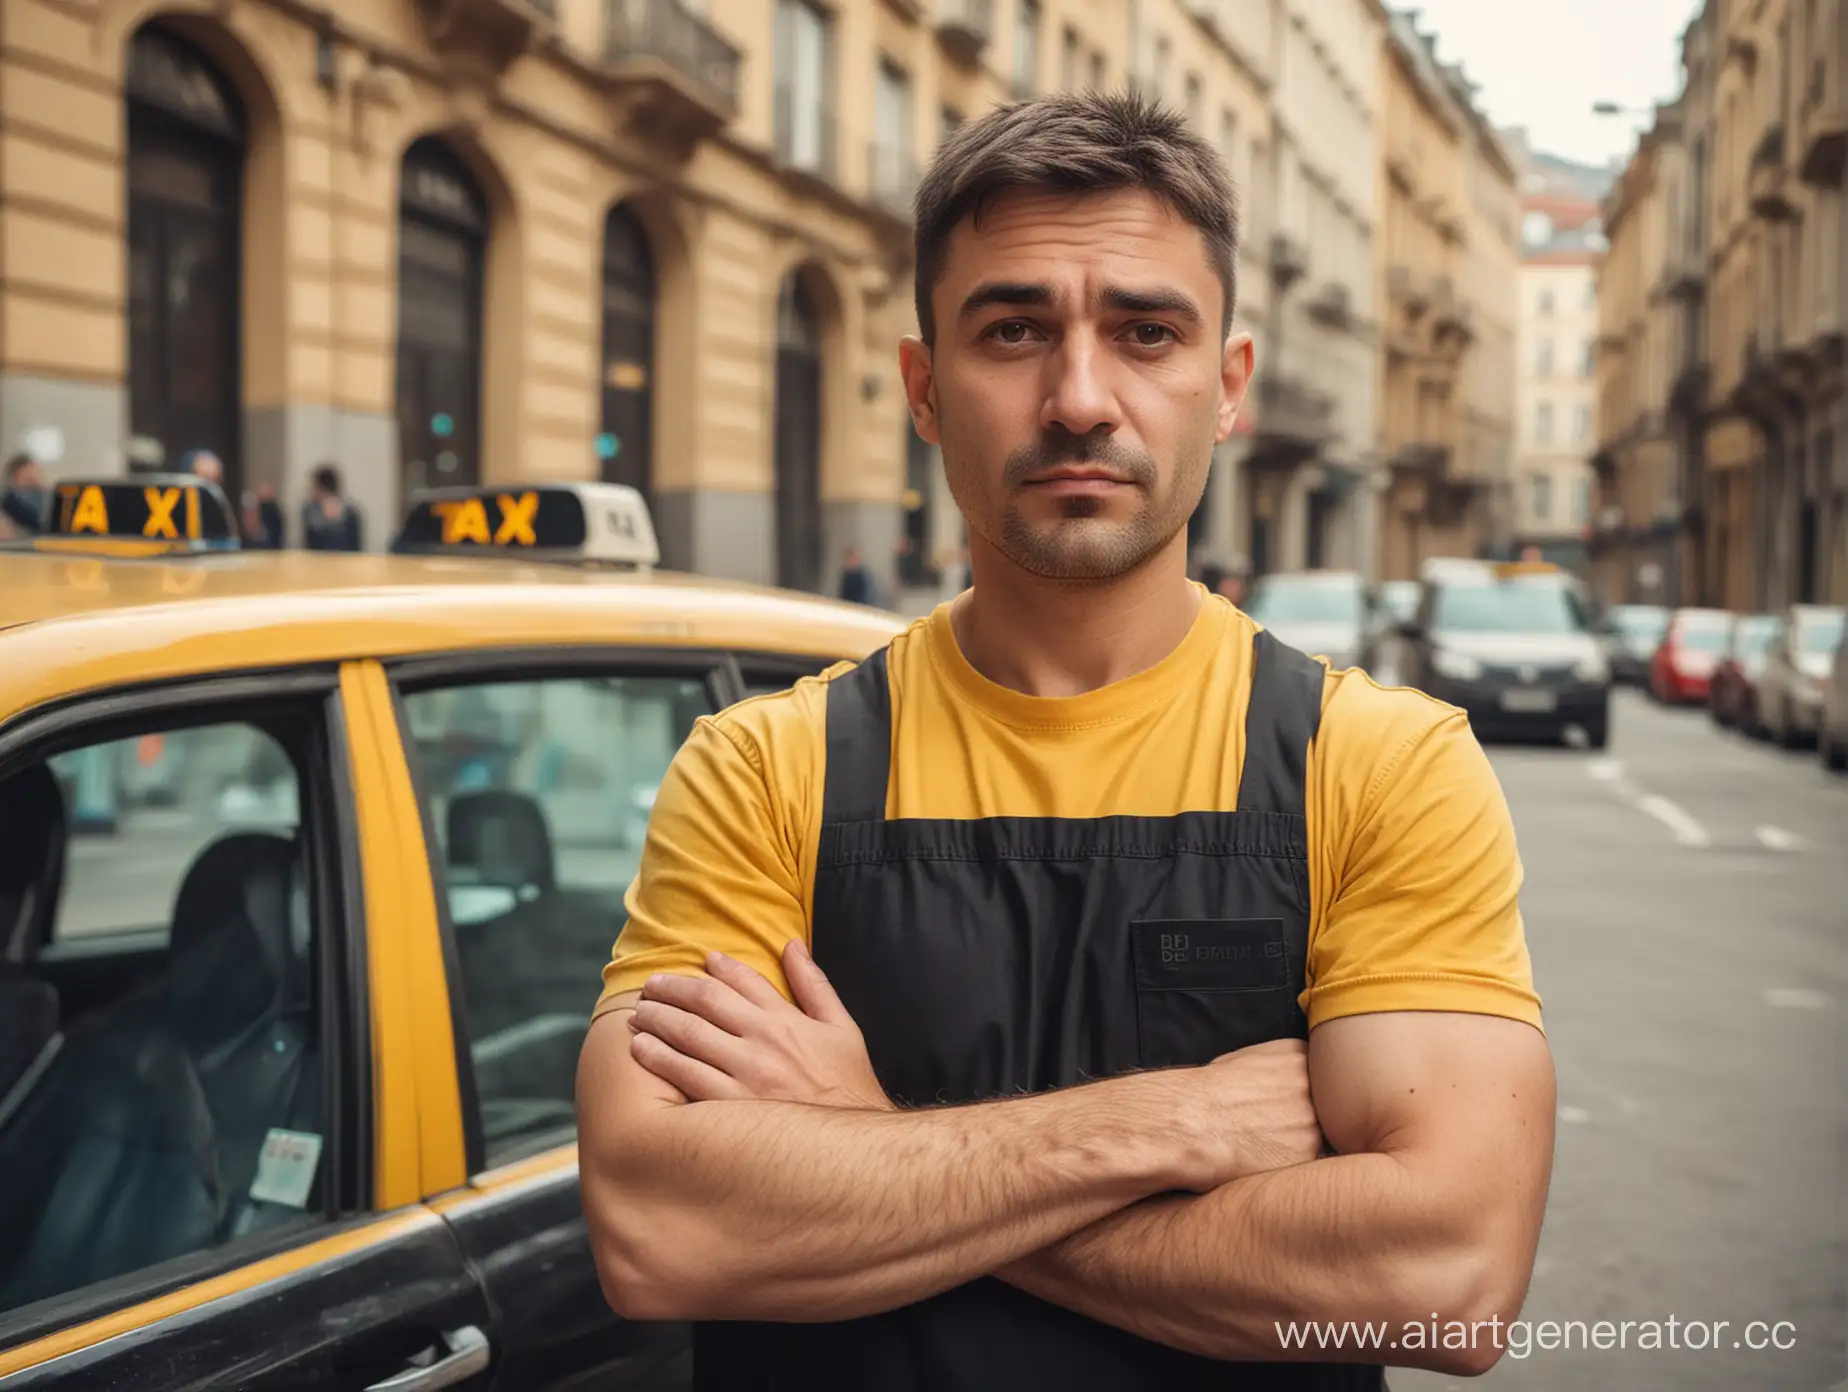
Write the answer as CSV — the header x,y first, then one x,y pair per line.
x,y
1294,421
1822,157
1408,290
1768,186
674,67
483,34
1332,306
965,27
1289,259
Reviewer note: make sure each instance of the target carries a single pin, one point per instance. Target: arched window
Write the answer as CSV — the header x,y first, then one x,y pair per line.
x,y
798,437
185,175
442,263
629,289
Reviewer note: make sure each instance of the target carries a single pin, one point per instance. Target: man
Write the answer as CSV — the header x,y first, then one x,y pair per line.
x,y
330,522
1059,883
204,464
22,499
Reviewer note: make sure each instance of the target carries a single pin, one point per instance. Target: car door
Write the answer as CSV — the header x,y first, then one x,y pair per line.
x,y
534,774
210,1175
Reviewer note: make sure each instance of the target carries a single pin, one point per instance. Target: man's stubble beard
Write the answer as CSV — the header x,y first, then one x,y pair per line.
x,y
1082,546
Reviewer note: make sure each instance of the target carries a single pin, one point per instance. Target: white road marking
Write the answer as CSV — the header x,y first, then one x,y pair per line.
x,y
1687,831
1574,1116
1796,998
1605,770
1777,839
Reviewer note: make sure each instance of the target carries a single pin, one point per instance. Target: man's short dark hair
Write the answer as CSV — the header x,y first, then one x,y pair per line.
x,y
1076,143
17,465
327,479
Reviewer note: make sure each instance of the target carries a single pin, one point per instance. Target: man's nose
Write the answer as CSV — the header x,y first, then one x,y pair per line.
x,y
1080,392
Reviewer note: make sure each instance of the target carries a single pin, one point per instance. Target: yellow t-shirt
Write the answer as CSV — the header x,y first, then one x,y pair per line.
x,y
1413,871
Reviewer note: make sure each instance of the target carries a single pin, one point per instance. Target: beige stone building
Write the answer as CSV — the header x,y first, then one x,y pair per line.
x,y
1637,497
1756,265
650,240
1445,267
1308,467
1556,381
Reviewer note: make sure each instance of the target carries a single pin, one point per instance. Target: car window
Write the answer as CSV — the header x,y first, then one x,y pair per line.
x,y
161,1066
142,809
538,795
764,676
1308,601
1820,633
1508,607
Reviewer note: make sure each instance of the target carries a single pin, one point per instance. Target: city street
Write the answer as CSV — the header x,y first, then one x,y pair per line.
x,y
1687,906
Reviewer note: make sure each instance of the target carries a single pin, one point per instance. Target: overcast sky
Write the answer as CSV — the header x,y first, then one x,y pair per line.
x,y
1543,65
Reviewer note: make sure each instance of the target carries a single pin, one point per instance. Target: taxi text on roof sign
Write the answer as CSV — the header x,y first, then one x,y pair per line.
x,y
595,523
152,507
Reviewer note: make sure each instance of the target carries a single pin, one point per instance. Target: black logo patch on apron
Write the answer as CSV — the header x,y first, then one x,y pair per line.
x,y
1210,954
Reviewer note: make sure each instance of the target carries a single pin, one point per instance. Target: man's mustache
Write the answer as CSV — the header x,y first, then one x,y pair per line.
x,y
1063,447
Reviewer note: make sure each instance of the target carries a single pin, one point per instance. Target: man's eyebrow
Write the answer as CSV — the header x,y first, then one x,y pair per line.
x,y
1005,292
1162,301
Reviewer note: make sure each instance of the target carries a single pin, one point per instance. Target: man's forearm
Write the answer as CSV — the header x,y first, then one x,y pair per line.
x,y
772,1210
1348,1238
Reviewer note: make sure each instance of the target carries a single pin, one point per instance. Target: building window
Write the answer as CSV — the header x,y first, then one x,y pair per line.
x,y
1069,59
1158,79
1546,302
804,113
629,293
797,444
1581,499
1099,71
442,270
1591,295
1543,423
1543,358
1589,359
1541,496
1196,117
185,177
950,119
1026,47
1581,425
891,174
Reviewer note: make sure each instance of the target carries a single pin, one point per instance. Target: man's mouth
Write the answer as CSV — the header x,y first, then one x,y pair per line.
x,y
1078,477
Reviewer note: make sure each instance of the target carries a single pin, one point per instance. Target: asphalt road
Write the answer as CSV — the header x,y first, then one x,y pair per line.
x,y
1686,906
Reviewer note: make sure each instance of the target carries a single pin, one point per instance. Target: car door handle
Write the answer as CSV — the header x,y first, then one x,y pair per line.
x,y
468,1354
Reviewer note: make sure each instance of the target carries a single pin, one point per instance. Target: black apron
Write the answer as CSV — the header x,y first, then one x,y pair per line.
x,y
1009,955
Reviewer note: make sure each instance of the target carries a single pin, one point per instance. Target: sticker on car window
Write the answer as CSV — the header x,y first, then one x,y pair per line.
x,y
285,1169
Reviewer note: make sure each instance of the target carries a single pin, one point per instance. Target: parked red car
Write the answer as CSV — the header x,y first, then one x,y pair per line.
x,y
1689,651
1732,692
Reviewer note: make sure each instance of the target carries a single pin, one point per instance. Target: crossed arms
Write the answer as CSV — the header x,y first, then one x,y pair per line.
x,y
739,1161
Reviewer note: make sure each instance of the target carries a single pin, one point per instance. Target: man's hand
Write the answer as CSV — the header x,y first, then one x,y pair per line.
x,y
731,1034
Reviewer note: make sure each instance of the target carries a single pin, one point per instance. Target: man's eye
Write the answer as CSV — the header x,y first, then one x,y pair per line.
x,y
1153,335
1009,331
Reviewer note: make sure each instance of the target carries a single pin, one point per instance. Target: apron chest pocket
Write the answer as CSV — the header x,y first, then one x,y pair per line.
x,y
1209,986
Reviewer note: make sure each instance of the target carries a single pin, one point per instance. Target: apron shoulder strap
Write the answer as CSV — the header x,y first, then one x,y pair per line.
x,y
1281,720
859,744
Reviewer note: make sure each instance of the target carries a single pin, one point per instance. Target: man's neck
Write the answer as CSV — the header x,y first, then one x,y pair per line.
x,y
1053,638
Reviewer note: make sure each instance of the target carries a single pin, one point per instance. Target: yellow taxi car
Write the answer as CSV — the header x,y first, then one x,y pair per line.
x,y
289,1025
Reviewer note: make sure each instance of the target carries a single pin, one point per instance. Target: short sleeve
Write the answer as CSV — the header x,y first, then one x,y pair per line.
x,y
717,872
1423,907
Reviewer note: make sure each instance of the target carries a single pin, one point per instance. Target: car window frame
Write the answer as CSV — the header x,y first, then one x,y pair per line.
x,y
410,675
338,903
775,665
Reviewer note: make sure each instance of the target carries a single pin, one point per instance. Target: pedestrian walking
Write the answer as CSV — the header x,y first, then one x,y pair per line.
x,y
330,520
1085,986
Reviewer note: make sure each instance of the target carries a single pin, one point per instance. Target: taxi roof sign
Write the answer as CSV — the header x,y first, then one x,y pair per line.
x,y
180,512
590,523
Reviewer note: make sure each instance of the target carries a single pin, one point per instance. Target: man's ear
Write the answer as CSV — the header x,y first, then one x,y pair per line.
x,y
1235,369
914,366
